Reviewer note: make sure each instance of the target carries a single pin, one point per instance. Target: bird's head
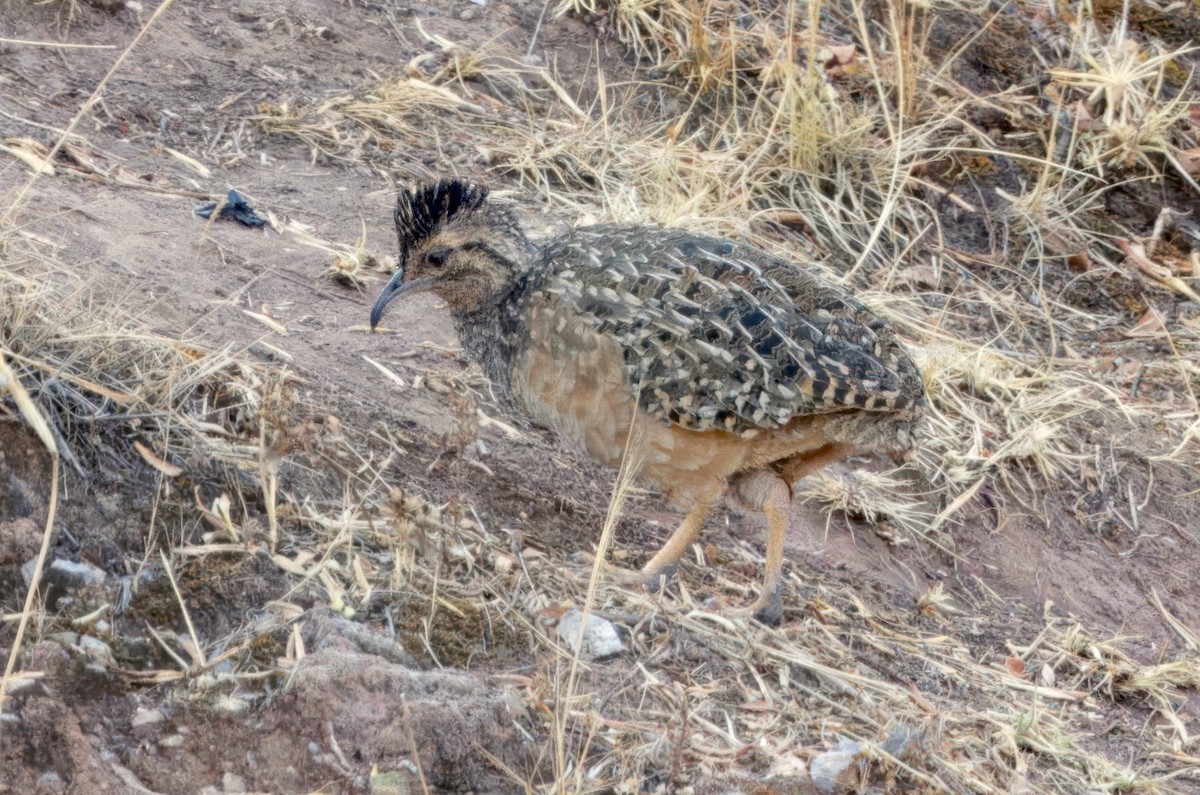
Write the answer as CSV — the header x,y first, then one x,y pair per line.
x,y
454,243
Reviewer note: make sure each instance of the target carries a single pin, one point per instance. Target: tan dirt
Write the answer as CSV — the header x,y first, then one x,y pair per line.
x,y
190,85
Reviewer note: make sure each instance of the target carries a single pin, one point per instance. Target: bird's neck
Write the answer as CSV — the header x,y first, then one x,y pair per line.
x,y
492,333
485,342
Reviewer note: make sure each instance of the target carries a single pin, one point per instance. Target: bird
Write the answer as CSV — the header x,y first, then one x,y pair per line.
x,y
710,365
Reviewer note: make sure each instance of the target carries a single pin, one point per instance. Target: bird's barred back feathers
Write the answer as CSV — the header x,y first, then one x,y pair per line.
x,y
720,335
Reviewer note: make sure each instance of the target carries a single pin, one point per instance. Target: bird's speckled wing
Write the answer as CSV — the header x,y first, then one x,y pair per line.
x,y
720,335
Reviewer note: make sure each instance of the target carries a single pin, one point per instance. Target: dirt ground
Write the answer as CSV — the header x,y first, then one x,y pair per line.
x,y
366,709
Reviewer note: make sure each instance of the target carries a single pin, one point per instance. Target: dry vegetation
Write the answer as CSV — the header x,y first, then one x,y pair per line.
x,y
1054,341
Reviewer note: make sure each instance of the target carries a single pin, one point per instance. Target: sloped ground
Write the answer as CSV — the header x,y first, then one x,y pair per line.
x,y
321,577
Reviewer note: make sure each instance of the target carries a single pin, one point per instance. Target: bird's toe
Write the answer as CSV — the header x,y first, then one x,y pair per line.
x,y
654,579
768,609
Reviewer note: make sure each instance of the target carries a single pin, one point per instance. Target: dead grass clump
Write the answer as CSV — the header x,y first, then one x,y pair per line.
x,y
103,381
349,265
1125,113
116,401
362,126
1105,668
871,497
1067,656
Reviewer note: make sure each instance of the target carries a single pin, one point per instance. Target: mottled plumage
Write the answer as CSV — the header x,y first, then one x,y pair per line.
x,y
730,366
721,335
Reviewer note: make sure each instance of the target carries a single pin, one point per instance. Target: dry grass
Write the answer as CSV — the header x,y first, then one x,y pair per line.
x,y
827,132
794,132
104,392
98,374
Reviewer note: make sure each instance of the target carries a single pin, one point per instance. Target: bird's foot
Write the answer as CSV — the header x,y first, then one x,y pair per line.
x,y
649,579
767,608
618,574
653,579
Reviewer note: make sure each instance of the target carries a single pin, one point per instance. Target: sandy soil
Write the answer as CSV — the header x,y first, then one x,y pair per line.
x,y
189,87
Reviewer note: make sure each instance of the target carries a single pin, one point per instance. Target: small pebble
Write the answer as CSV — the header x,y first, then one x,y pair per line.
x,y
600,637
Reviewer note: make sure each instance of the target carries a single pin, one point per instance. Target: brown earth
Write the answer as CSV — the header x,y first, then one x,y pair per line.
x,y
189,86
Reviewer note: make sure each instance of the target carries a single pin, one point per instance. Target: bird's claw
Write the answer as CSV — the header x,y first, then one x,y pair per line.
x,y
650,580
621,575
767,609
653,579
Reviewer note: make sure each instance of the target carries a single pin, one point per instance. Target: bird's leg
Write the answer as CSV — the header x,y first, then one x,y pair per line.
x,y
663,563
771,492
767,491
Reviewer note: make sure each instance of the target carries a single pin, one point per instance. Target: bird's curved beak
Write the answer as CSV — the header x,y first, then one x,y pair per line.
x,y
397,286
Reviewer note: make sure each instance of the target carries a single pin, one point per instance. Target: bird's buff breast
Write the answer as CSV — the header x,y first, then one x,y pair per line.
x,y
572,380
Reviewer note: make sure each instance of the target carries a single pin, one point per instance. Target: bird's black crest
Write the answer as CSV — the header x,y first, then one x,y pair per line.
x,y
421,212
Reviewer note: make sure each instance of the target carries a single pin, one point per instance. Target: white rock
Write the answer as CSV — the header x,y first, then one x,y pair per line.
x,y
65,573
600,637
143,716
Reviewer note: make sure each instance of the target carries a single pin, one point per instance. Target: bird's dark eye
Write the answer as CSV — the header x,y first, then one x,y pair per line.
x,y
437,257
